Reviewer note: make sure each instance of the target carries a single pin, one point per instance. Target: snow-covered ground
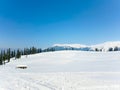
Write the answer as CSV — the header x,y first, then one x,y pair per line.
x,y
63,70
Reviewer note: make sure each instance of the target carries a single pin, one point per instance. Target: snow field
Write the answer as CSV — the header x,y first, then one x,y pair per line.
x,y
63,70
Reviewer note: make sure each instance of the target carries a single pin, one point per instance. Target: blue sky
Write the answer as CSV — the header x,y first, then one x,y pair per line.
x,y
41,23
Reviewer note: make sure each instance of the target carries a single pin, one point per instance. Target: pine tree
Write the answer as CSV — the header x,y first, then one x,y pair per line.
x,y
8,54
33,50
116,48
30,50
39,50
18,55
4,57
14,53
22,53
25,51
1,61
110,49
96,49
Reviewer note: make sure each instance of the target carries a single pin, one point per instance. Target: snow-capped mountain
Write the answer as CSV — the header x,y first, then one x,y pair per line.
x,y
107,46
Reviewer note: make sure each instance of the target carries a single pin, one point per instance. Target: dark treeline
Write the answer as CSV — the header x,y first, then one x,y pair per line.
x,y
6,55
110,49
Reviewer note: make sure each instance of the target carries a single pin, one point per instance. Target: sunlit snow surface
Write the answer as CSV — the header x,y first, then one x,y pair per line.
x,y
63,70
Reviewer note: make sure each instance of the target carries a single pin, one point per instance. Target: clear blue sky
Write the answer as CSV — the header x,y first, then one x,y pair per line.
x,y
41,23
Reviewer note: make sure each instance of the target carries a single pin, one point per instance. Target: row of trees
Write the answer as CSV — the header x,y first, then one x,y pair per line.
x,y
6,55
110,49
114,49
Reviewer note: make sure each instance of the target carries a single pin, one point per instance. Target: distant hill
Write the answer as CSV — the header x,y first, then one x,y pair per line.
x,y
104,47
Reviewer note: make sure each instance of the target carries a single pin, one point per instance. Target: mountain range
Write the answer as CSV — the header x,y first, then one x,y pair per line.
x,y
104,47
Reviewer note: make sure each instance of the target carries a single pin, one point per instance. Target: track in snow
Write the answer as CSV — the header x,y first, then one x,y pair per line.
x,y
63,81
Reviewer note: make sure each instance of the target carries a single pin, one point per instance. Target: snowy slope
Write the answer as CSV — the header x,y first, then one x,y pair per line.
x,y
63,70
99,47
70,61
